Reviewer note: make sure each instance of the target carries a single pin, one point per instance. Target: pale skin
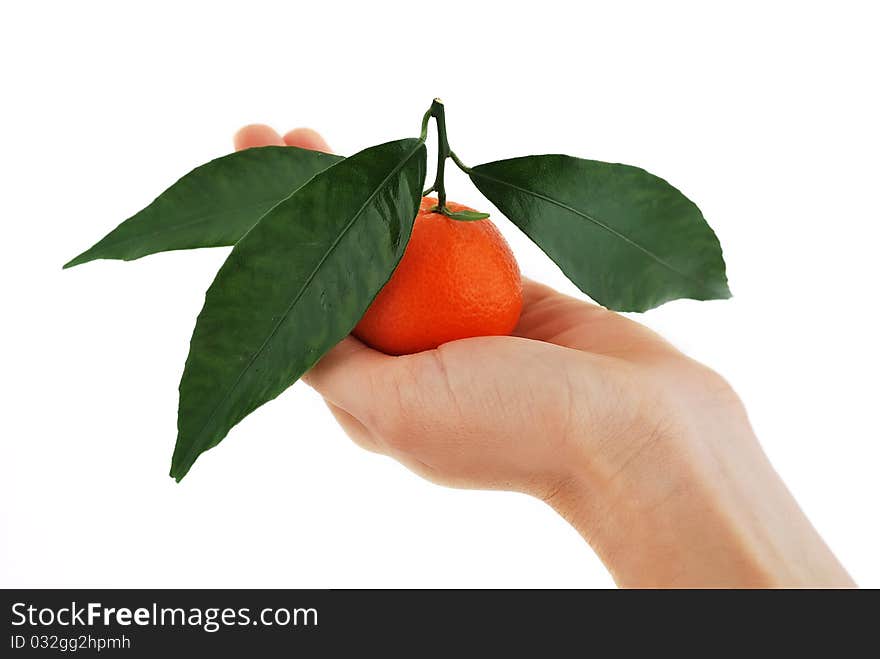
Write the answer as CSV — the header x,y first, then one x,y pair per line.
x,y
647,453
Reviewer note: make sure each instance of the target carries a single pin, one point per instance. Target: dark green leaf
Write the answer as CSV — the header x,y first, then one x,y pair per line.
x,y
293,287
213,205
627,238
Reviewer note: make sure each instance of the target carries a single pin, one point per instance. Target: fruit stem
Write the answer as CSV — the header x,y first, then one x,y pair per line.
x,y
438,111
443,151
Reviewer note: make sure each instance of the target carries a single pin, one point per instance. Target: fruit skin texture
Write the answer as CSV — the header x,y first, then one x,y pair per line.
x,y
455,280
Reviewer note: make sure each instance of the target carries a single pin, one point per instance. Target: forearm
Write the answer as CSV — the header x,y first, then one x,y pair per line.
x,y
701,506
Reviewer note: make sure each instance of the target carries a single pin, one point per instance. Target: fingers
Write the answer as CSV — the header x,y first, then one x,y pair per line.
x,y
534,292
261,135
256,135
547,313
552,317
306,138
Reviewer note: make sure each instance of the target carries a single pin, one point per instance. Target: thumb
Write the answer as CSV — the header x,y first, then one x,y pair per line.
x,y
356,378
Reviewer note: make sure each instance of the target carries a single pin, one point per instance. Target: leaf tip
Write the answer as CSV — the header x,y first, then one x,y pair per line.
x,y
77,260
180,466
721,291
178,471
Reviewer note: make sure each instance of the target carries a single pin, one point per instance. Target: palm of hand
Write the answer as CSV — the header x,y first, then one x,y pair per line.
x,y
514,412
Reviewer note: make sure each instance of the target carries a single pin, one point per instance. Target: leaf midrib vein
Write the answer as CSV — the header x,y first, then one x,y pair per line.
x,y
297,297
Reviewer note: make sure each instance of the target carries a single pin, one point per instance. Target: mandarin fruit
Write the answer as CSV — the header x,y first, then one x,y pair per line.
x,y
456,280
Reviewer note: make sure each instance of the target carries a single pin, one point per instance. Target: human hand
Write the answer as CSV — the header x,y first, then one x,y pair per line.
x,y
647,452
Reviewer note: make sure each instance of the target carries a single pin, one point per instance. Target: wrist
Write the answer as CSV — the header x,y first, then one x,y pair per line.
x,y
689,499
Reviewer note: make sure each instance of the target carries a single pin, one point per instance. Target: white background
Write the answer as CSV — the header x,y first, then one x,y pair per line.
x,y
766,115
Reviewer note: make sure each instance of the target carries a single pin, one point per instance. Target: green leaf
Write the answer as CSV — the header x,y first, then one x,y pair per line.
x,y
213,205
625,237
293,287
461,216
